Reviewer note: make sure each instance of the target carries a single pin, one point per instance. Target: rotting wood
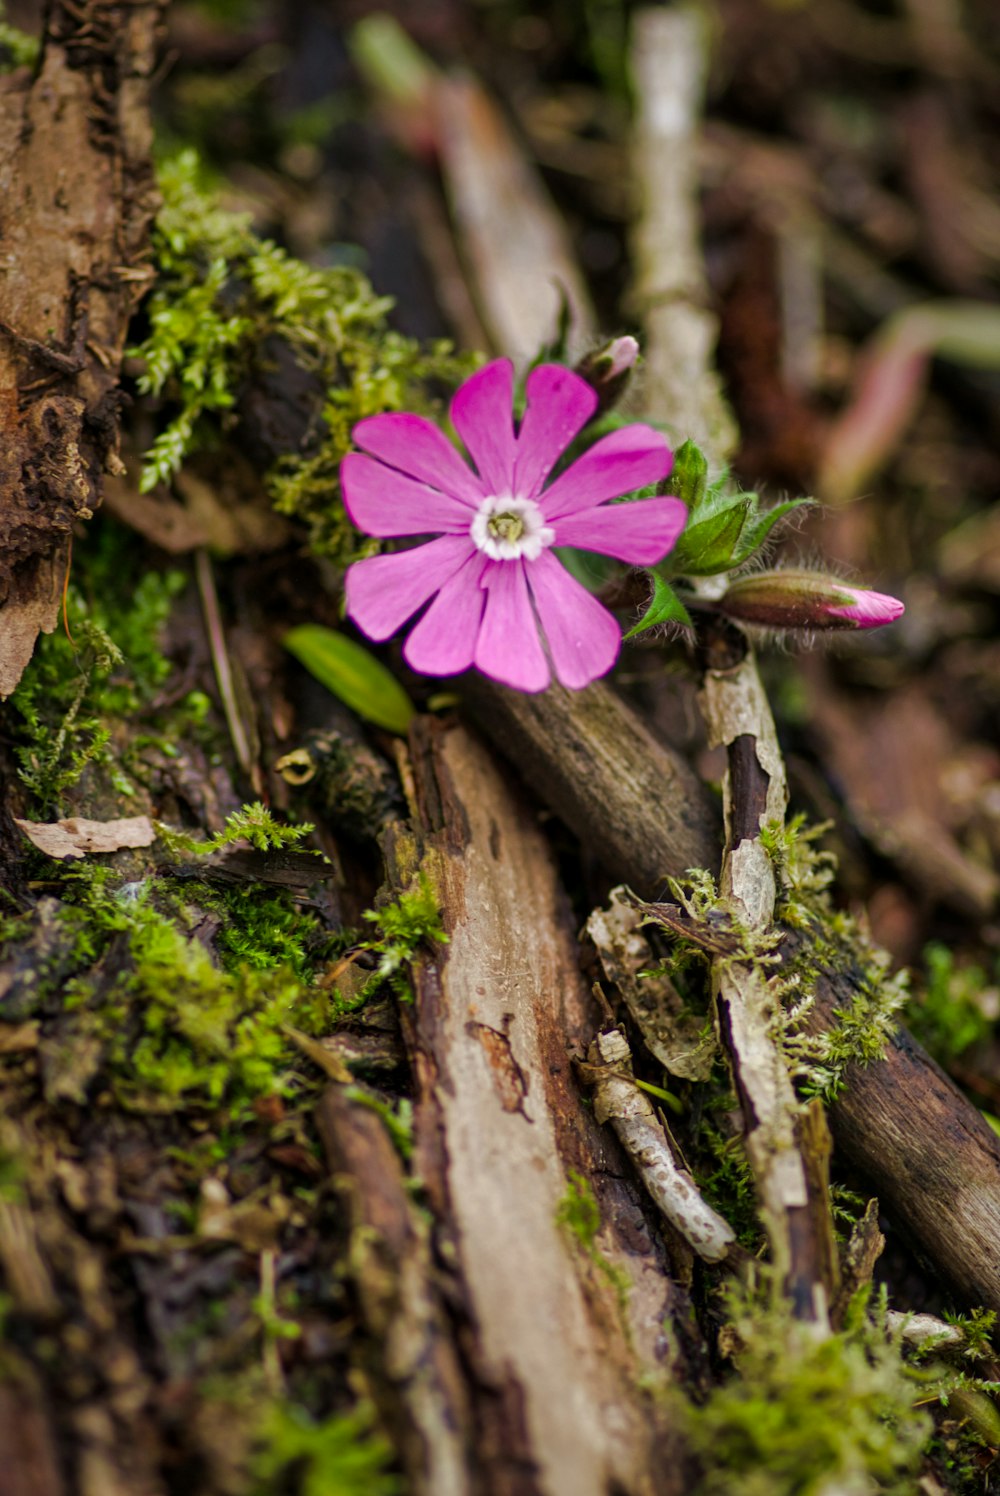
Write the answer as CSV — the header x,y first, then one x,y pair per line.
x,y
418,1371
618,1100
556,1337
78,195
797,1218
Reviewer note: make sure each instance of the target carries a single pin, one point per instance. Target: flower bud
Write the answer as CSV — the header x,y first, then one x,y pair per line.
x,y
806,600
608,369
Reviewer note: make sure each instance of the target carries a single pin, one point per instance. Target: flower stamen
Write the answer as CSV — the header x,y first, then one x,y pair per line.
x,y
507,528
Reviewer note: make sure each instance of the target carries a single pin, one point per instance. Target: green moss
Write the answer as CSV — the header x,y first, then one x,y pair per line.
x,y
403,926
579,1214
170,1028
835,942
253,823
110,669
341,1456
952,1008
803,1415
222,297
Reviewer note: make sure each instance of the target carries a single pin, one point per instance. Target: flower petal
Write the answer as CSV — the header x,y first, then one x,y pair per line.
x,y
381,501
560,404
508,647
482,412
618,463
444,640
418,448
384,591
583,637
641,533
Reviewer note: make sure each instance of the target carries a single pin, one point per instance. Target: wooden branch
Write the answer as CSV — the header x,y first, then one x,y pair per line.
x,y
590,757
558,1331
79,196
668,59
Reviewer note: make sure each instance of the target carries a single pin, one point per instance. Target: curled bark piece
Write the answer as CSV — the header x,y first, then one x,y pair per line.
x,y
560,1328
618,1100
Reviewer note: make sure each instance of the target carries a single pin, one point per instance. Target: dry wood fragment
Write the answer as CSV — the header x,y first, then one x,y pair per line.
x,y
418,1372
747,1006
78,197
556,1350
519,248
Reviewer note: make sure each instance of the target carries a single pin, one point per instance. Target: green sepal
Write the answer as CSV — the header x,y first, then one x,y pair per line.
x,y
353,674
759,526
689,474
665,607
724,532
709,542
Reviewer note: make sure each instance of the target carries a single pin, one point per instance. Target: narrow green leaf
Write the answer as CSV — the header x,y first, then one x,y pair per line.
x,y
760,526
666,607
353,674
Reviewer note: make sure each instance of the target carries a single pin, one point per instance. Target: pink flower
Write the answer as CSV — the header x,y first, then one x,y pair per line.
x,y
495,589
807,600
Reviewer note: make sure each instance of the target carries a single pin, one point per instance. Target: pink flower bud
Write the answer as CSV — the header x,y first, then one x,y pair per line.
x,y
807,600
608,369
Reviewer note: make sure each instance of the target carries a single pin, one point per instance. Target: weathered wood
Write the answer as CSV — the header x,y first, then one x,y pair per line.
x,y
78,195
417,1369
557,1336
593,760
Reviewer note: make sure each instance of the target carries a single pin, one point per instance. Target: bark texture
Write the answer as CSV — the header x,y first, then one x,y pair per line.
x,y
77,195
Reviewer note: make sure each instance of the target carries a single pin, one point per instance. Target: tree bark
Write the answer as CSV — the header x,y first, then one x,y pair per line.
x,y
78,195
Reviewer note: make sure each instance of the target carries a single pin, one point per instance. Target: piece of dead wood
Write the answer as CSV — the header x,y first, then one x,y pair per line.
x,y
588,756
413,1359
618,1100
79,194
508,226
557,1335
78,837
27,1438
796,1213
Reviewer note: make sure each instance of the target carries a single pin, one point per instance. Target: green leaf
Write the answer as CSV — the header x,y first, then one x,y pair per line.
x,y
666,607
689,474
759,527
353,674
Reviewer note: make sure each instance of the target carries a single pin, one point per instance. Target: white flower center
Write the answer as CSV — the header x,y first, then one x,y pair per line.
x,y
506,528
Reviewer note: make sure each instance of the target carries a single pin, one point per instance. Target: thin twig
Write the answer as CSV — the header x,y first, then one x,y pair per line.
x,y
669,60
